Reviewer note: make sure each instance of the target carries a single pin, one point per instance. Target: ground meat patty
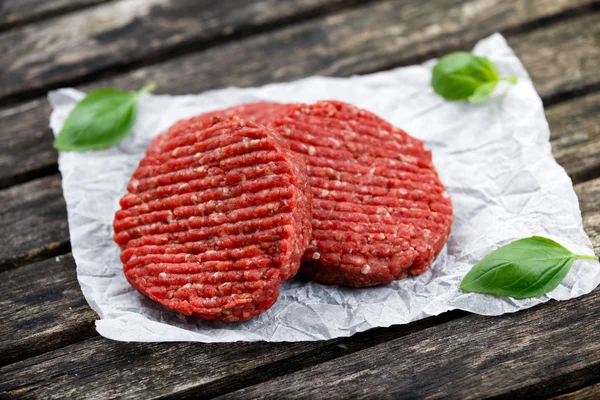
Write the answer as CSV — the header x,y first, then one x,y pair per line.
x,y
379,210
260,112
214,223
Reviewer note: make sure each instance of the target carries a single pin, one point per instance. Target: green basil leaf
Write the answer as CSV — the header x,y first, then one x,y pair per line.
x,y
103,118
482,92
462,76
525,268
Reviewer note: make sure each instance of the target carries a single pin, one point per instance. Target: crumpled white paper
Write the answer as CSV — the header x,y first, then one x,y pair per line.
x,y
494,158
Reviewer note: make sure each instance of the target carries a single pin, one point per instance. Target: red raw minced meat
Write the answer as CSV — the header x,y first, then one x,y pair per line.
x,y
260,112
380,211
215,222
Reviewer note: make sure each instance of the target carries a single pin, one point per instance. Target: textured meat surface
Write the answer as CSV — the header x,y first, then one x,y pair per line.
x,y
379,210
214,223
260,112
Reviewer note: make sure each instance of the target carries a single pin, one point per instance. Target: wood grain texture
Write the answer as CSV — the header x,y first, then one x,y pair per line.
x,y
117,34
345,44
26,150
33,221
42,308
587,393
19,12
566,59
98,368
454,356
575,127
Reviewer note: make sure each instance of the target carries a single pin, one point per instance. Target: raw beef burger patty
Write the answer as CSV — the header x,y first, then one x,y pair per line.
x,y
260,112
379,210
213,224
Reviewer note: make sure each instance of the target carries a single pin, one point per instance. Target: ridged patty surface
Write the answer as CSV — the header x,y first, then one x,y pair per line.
x,y
380,211
215,222
261,112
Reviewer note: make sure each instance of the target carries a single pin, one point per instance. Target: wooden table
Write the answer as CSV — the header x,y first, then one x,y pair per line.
x,y
49,347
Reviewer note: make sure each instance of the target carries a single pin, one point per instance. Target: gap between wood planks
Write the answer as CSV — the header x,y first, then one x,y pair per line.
x,y
582,393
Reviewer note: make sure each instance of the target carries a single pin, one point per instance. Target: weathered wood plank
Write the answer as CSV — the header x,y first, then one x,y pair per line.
x,y
565,60
19,12
97,367
26,150
41,309
535,334
575,127
73,46
458,356
590,392
33,222
514,356
403,37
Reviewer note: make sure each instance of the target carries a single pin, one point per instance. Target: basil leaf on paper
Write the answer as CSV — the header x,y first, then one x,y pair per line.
x,y
524,268
103,118
464,76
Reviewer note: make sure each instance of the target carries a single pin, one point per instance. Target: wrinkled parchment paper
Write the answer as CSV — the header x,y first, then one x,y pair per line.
x,y
494,158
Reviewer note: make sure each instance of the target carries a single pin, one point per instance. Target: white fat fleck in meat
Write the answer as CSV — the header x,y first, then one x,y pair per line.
x,y
316,255
311,150
134,184
365,270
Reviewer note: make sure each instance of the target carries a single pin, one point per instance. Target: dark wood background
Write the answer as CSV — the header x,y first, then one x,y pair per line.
x,y
49,347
